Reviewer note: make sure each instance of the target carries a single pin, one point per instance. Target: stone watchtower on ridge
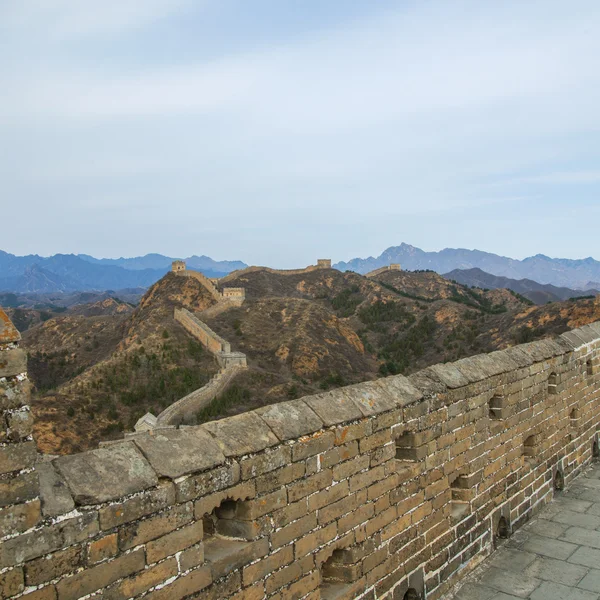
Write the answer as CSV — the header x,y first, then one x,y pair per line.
x,y
177,266
324,263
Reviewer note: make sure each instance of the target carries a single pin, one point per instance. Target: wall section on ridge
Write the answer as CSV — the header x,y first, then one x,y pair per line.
x,y
361,492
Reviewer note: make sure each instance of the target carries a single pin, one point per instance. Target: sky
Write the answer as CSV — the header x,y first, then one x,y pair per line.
x,y
282,131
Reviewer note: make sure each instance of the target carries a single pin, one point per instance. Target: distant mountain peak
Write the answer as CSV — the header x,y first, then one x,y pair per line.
x,y
574,274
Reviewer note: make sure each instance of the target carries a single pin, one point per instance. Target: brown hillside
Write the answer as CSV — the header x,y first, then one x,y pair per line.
x,y
301,333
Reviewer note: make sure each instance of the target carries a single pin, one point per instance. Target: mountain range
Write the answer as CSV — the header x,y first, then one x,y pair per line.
x,y
538,293
581,274
71,272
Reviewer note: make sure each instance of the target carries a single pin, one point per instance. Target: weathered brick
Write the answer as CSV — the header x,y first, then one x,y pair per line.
x,y
337,509
140,532
283,577
348,433
15,457
294,530
376,440
60,563
310,485
207,483
356,517
147,579
254,592
280,477
100,576
290,513
48,539
102,548
328,496
362,480
139,506
15,490
350,467
191,558
20,517
302,587
173,542
183,586
312,541
318,443
46,593
265,462
261,568
339,454
11,583
20,424
224,588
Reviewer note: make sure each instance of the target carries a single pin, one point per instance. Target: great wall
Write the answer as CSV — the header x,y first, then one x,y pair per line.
x,y
390,489
231,363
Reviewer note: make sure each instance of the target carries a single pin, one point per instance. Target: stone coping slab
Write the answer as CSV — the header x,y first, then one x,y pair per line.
x,y
105,474
176,452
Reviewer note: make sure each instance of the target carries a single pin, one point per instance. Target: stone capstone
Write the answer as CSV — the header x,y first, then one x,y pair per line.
x,y
290,420
242,434
106,474
55,495
173,453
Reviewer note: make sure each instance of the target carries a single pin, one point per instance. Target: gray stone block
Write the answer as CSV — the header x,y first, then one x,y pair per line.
x,y
290,420
54,493
428,383
402,390
334,407
173,453
450,375
106,474
371,398
12,362
242,434
519,356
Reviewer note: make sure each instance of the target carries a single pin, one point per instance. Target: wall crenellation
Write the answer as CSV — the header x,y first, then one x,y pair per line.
x,y
393,488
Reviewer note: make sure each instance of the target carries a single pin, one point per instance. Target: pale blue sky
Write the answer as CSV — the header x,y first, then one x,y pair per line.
x,y
278,131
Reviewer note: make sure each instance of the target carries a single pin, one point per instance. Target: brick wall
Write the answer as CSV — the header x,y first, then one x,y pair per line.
x,y
368,491
208,338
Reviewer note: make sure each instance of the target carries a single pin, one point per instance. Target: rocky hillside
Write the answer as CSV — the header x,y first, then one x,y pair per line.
x,y
302,334
96,375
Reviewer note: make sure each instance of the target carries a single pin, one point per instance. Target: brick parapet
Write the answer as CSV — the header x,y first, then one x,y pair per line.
x,y
362,492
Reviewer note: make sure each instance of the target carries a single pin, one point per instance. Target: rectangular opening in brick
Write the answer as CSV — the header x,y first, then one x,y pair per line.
x,y
226,537
530,446
589,367
460,488
496,406
552,383
410,447
337,575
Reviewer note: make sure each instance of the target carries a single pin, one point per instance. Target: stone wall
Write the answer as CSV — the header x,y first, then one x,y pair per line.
x,y
379,490
322,264
205,281
391,267
201,331
186,409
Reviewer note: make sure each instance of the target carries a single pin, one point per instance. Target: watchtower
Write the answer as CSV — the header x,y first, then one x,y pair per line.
x,y
324,263
177,266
